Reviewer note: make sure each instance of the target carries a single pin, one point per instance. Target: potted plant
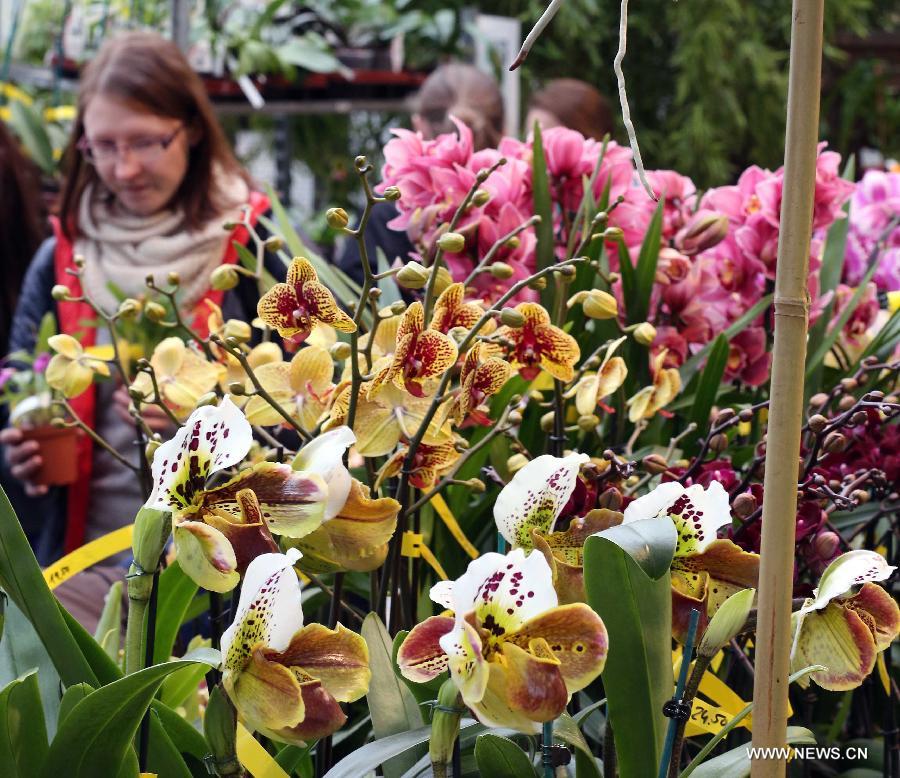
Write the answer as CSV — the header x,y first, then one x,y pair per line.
x,y
32,408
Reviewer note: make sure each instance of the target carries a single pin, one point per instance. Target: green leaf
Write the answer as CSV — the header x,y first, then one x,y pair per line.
x,y
307,52
176,592
163,757
710,383
184,738
46,331
392,705
543,206
181,684
23,734
638,307
248,260
690,367
96,736
565,728
736,763
500,757
109,627
21,578
71,697
627,580
29,126
836,242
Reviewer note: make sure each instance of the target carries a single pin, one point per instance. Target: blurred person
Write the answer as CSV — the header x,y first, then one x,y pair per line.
x,y
571,103
454,89
150,182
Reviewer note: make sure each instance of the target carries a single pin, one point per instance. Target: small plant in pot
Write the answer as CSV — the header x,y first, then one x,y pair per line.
x,y
27,388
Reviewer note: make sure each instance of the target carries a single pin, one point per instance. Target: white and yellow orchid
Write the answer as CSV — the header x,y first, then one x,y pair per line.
x,y
651,399
514,653
71,370
845,628
286,679
592,387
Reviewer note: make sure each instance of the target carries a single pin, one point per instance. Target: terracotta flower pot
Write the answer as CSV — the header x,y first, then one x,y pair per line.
x,y
59,453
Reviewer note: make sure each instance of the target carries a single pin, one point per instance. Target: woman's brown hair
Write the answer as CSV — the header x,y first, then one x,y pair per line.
x,y
467,93
150,72
577,105
21,224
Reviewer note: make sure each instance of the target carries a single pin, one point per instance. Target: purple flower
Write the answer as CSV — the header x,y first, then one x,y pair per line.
x,y
875,203
40,362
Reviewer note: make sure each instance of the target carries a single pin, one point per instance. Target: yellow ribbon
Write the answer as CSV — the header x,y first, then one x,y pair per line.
x,y
89,554
255,758
14,93
883,673
449,519
893,299
5,113
60,113
414,546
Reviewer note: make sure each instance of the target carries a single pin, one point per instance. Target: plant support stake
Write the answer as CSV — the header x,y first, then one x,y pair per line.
x,y
770,690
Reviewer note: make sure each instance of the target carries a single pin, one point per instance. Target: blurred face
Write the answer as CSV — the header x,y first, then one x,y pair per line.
x,y
142,158
544,118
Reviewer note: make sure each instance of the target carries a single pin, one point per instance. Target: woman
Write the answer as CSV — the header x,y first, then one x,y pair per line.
x,y
151,181
455,89
570,103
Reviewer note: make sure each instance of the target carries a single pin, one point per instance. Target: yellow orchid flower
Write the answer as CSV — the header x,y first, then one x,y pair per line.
x,y
182,375
483,374
421,354
450,311
843,629
71,370
429,464
259,355
302,387
286,679
650,399
384,344
538,345
294,307
513,652
593,387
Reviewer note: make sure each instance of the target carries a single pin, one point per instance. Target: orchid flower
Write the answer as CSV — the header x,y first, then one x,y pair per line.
x,y
706,571
593,387
213,439
286,679
182,376
429,464
422,354
650,399
844,628
483,374
539,345
302,387
71,370
294,307
515,654
450,311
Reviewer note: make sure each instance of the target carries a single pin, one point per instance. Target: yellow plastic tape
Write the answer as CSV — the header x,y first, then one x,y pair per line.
x,y
449,519
5,113
89,554
14,93
414,546
258,762
893,300
883,673
60,113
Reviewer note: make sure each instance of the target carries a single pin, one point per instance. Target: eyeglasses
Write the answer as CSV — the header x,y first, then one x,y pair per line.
x,y
144,150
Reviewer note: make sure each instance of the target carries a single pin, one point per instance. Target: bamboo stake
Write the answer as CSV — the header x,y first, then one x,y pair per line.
x,y
770,691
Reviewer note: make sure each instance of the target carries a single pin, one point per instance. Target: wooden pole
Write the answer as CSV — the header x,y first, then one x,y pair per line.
x,y
773,644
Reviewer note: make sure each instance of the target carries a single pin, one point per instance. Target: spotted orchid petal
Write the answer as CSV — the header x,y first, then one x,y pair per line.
x,y
269,611
442,594
465,658
206,556
697,512
324,456
213,438
535,497
421,657
267,694
845,572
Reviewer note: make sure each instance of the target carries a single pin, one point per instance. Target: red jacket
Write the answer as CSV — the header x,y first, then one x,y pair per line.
x,y
72,318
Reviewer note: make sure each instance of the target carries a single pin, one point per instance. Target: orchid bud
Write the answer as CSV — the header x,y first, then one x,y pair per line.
x,y
513,243
274,243
611,499
150,450
817,422
718,443
704,230
744,505
538,283
136,395
154,312
458,334
512,318
566,271
398,307
60,292
413,276
826,544
442,280
745,414
516,462
129,308
476,485
655,464
223,278
451,242
220,729
846,402
818,400
210,398
596,304
834,443
336,218
340,351
644,333
588,423
374,293
173,278
79,261
547,421
229,226
360,162
481,197
612,233
514,417
501,270
237,389
445,726
724,415
151,531
392,194
237,329
849,384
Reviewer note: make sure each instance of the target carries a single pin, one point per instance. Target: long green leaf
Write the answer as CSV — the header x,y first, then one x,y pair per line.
x,y
690,367
392,705
565,728
710,383
543,207
21,578
29,126
627,580
248,260
176,591
645,273
109,627
95,737
500,757
164,757
23,733
835,249
736,763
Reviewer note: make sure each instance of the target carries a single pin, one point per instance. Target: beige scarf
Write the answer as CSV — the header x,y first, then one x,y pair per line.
x,y
123,248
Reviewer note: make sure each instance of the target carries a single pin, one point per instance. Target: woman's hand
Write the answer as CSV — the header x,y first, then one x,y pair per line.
x,y
154,416
23,459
